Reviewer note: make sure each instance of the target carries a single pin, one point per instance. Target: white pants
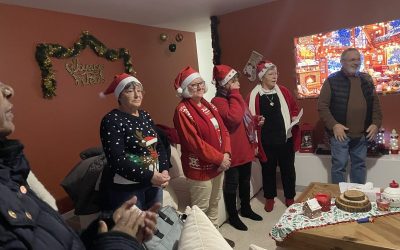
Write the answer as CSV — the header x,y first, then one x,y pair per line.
x,y
206,195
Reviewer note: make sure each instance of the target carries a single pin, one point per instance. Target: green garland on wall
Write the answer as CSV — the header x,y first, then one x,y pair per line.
x,y
46,50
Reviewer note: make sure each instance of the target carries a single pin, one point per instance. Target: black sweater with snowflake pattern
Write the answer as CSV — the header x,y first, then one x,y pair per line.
x,y
132,147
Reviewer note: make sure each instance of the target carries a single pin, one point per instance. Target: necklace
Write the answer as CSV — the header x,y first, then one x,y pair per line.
x,y
271,103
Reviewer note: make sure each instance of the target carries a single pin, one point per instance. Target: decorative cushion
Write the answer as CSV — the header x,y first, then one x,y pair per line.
x,y
199,233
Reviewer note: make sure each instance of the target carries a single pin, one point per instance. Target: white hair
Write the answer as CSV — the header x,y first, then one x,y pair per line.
x,y
186,94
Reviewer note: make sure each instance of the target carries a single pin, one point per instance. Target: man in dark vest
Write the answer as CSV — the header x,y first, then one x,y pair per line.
x,y
350,109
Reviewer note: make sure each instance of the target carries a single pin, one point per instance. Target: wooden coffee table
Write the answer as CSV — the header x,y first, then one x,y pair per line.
x,y
383,233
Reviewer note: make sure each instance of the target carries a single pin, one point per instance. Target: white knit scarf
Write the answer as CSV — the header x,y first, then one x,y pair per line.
x,y
258,90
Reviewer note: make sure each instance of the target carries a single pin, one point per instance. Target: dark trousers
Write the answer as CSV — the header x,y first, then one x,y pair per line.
x,y
238,176
282,156
117,194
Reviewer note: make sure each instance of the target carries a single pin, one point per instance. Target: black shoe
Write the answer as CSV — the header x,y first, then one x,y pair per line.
x,y
237,223
249,213
230,242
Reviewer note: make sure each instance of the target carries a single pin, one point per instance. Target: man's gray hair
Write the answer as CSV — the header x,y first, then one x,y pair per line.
x,y
344,53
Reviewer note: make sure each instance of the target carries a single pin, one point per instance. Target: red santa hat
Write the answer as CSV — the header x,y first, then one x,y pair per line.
x,y
118,84
222,74
184,78
263,67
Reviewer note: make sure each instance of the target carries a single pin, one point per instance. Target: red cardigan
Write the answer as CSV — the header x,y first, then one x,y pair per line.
x,y
293,110
200,160
232,111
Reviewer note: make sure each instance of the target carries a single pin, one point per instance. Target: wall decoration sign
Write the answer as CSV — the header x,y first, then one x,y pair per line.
x,y
45,51
85,74
318,55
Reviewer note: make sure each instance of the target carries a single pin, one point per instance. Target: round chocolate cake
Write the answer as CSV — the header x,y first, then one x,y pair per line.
x,y
353,201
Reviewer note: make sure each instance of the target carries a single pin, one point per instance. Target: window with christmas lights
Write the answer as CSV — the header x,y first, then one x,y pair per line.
x,y
318,55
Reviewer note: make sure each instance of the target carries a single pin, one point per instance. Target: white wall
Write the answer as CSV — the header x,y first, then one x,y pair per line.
x,y
205,57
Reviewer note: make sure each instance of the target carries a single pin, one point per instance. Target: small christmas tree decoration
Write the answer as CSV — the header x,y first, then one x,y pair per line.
x,y
380,141
394,142
380,137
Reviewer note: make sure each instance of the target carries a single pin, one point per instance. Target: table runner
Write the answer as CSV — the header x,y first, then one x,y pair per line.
x,y
293,219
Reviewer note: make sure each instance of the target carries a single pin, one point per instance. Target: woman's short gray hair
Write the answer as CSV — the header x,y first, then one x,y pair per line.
x,y
131,85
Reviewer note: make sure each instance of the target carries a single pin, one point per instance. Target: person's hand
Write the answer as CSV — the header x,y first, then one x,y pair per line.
x,y
339,132
372,130
165,173
130,222
234,85
160,179
150,222
261,120
128,219
124,207
225,164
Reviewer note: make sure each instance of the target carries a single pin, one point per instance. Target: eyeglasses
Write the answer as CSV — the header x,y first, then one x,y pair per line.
x,y
197,85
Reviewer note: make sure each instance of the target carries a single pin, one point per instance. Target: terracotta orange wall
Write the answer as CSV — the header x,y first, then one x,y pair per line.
x,y
56,131
271,28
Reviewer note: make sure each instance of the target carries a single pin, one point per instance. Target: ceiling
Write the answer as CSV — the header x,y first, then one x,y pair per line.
x,y
187,15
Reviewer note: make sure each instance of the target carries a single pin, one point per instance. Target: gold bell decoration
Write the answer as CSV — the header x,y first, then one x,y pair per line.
x,y
163,37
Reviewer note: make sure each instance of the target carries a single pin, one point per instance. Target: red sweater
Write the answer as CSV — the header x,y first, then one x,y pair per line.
x,y
200,160
293,110
232,111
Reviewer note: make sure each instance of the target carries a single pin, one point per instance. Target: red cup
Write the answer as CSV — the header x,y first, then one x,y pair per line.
x,y
324,201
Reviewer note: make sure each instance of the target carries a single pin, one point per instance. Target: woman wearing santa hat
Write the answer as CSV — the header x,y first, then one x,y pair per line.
x,y
205,142
277,142
137,161
239,122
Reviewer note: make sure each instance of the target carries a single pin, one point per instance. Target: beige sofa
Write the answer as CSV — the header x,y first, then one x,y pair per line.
x,y
177,193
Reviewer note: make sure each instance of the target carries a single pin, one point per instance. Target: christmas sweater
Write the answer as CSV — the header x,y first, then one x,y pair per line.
x,y
132,147
200,160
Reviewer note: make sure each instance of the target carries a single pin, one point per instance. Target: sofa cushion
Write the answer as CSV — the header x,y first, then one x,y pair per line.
x,y
169,197
199,233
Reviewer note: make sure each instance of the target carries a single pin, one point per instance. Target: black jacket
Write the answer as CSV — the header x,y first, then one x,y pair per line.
x,y
27,222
